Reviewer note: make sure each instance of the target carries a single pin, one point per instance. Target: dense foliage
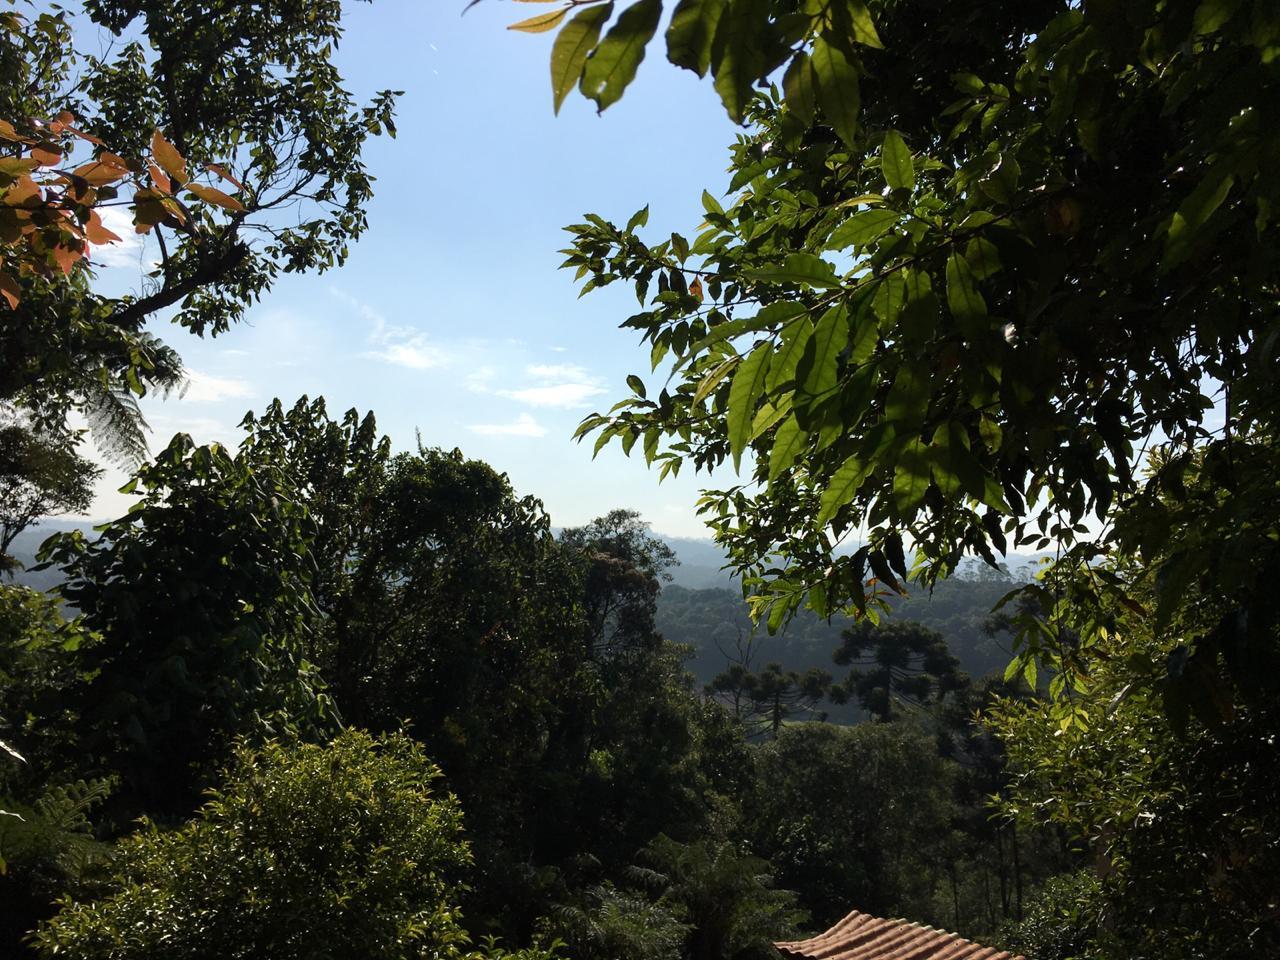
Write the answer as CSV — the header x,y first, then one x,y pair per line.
x,y
983,276
305,852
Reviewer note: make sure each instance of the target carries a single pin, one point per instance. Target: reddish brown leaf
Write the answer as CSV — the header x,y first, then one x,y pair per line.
x,y
225,174
162,182
695,289
167,155
9,289
215,196
46,154
8,133
84,136
99,172
24,193
68,255
96,232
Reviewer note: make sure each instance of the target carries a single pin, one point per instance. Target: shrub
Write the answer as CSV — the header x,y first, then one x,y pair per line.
x,y
309,852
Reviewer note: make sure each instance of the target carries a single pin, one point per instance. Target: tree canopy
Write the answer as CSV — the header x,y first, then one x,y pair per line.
x,y
972,263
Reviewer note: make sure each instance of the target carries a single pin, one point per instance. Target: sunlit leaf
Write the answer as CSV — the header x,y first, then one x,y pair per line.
x,y
841,488
540,23
744,392
691,32
216,197
838,91
895,162
167,155
573,43
613,64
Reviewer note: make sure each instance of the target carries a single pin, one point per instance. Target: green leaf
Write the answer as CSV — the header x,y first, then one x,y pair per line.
x,y
911,477
711,204
738,53
1212,15
862,228
838,90
908,401
991,434
744,392
712,379
817,370
613,64
793,340
798,88
636,385
639,219
919,317
895,162
963,299
1192,214
774,315
692,29
889,298
788,443
864,28
983,257
841,488
540,23
803,268
767,416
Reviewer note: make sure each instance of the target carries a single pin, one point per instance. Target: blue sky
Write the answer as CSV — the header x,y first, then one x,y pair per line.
x,y
451,317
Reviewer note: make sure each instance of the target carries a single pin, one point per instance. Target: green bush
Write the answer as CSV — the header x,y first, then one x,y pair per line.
x,y
311,852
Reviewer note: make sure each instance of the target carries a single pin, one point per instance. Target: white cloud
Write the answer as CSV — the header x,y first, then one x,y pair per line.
x,y
128,251
480,380
399,346
523,426
206,388
562,371
562,385
563,395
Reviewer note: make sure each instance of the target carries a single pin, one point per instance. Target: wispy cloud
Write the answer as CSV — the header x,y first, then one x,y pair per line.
x,y
128,251
523,426
566,396
565,386
396,345
480,380
206,388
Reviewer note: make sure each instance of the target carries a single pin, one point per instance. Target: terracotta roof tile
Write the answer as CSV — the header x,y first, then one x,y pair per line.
x,y
862,937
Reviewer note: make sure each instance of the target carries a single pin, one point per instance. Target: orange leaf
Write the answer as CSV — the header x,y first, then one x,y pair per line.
x,y
8,133
225,174
167,155
68,255
96,232
215,196
695,289
98,173
65,117
46,154
84,136
9,289
24,193
541,23
159,179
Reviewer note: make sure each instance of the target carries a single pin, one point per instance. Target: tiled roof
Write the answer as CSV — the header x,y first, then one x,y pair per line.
x,y
862,937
